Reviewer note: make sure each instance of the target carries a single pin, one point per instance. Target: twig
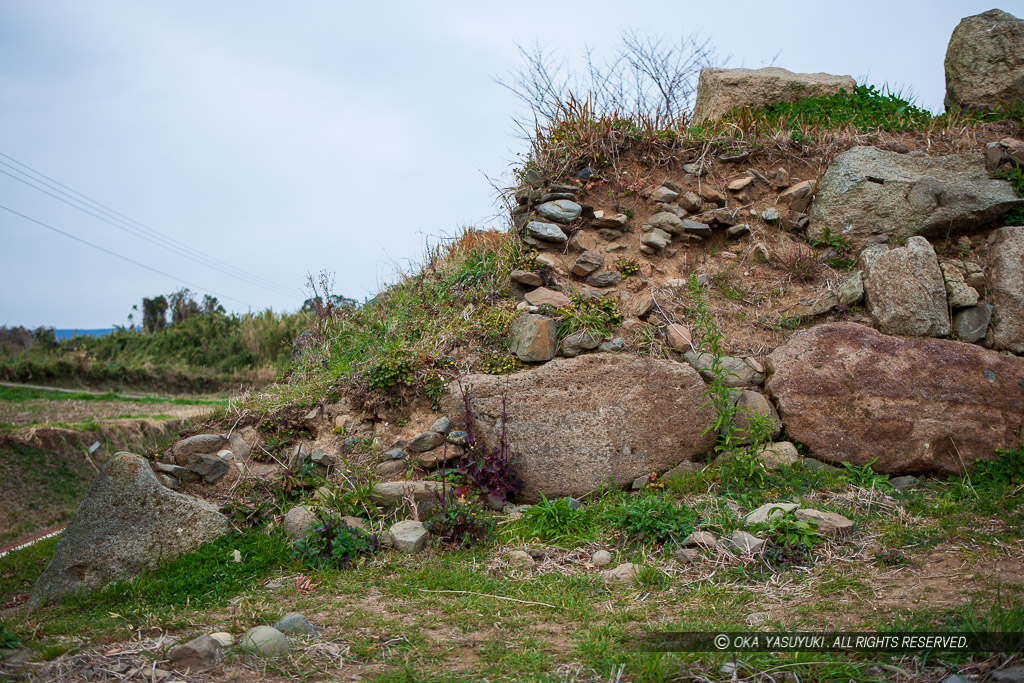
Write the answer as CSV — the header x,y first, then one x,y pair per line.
x,y
496,597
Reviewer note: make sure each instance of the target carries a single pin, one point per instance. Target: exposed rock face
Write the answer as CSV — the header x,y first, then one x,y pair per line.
x,y
868,191
985,62
582,423
128,522
1006,287
906,292
719,90
851,393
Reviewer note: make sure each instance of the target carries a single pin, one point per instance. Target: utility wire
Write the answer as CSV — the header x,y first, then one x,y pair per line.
x,y
173,249
123,258
128,224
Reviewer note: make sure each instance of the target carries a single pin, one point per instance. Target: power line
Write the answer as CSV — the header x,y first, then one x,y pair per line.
x,y
175,250
136,228
123,258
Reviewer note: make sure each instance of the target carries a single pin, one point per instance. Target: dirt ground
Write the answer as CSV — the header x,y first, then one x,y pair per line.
x,y
47,411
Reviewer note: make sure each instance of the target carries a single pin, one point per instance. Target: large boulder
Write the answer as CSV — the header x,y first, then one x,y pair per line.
x,y
581,423
867,191
850,393
985,62
127,523
720,90
1005,279
905,290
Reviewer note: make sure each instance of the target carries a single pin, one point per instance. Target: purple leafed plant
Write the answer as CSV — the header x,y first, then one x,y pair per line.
x,y
491,470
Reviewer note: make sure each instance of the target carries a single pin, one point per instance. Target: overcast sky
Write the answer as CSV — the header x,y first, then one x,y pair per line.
x,y
286,138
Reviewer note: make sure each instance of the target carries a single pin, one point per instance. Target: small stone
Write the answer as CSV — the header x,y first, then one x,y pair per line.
x,y
904,482
583,241
776,455
224,638
547,260
681,470
691,202
436,456
543,296
545,231
297,522
664,194
169,481
768,511
198,654
653,241
695,169
236,557
746,543
679,337
395,492
740,184
587,263
458,438
266,641
295,624
425,441
442,425
643,481
610,220
797,197
390,468
614,344
624,573
829,523
710,194
770,215
408,536
604,278
323,459
395,454
700,539
667,222
971,324
737,231
532,337
577,342
687,556
521,558
1013,674
527,278
209,467
560,211
697,228
602,558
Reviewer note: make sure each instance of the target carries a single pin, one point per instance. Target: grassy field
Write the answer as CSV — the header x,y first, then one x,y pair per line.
x,y
943,556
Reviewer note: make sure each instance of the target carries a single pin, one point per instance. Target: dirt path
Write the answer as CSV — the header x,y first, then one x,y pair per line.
x,y
49,411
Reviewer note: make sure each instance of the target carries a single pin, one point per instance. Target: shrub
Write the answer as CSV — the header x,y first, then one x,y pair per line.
x,y
655,518
790,540
599,316
333,544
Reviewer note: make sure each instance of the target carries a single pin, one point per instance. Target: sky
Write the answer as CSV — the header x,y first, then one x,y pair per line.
x,y
274,140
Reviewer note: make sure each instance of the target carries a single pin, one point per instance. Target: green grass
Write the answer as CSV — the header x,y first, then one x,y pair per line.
x,y
22,394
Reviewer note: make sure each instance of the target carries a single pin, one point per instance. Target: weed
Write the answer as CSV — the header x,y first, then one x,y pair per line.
x,y
845,257
599,316
396,367
1006,470
499,364
654,518
627,266
459,522
710,341
866,108
556,520
333,543
865,477
247,514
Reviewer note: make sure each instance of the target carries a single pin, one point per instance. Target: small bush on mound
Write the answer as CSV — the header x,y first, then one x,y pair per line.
x,y
460,522
489,471
654,518
585,315
556,520
333,544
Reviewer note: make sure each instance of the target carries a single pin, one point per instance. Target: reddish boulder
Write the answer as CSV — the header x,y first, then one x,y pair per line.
x,y
851,393
582,423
